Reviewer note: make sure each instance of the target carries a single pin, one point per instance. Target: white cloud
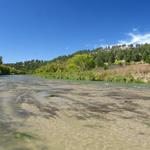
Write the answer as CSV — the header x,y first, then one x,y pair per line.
x,y
133,37
136,39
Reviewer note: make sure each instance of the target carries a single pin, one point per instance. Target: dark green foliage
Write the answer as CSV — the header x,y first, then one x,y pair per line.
x,y
129,54
27,66
1,60
7,70
4,70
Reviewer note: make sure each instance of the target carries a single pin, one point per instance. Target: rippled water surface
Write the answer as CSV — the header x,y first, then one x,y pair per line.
x,y
39,114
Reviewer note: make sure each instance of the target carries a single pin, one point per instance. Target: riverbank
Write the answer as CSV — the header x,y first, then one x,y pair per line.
x,y
137,73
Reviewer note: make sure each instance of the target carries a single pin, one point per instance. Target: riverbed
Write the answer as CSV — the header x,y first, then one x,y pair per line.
x,y
39,114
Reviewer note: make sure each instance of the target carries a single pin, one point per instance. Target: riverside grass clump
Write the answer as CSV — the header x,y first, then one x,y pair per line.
x,y
86,75
92,76
110,77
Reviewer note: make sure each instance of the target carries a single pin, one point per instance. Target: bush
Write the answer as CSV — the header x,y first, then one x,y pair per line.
x,y
4,70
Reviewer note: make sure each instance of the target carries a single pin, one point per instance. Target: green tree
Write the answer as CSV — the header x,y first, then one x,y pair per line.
x,y
81,62
1,60
4,70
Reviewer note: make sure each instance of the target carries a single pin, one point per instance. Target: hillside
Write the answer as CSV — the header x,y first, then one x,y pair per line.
x,y
118,63
124,63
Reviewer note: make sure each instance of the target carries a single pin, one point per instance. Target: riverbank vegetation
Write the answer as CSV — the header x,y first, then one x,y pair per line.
x,y
123,63
118,63
7,70
27,67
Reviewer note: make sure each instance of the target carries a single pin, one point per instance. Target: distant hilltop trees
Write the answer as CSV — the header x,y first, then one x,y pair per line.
x,y
27,67
125,53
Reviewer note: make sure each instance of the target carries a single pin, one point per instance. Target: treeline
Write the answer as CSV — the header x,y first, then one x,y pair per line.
x,y
125,53
27,67
85,64
7,70
110,55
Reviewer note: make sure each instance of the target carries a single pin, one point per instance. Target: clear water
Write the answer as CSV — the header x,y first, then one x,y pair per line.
x,y
30,107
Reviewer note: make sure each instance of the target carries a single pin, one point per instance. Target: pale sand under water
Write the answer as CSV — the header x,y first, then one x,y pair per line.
x,y
37,114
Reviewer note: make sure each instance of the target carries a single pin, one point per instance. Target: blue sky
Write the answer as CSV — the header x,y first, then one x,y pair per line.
x,y
44,29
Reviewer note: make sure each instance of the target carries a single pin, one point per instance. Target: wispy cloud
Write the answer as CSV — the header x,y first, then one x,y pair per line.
x,y
136,39
96,44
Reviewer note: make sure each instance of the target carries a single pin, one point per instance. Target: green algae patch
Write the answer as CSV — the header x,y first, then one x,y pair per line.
x,y
23,136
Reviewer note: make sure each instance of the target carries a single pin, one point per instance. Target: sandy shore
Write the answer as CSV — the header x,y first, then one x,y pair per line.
x,y
37,114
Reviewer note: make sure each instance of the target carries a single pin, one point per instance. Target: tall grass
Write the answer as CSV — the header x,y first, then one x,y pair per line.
x,y
122,74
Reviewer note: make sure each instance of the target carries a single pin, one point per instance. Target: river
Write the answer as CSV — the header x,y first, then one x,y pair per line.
x,y
39,114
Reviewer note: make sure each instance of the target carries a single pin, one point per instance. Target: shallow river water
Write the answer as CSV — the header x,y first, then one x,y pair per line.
x,y
39,114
